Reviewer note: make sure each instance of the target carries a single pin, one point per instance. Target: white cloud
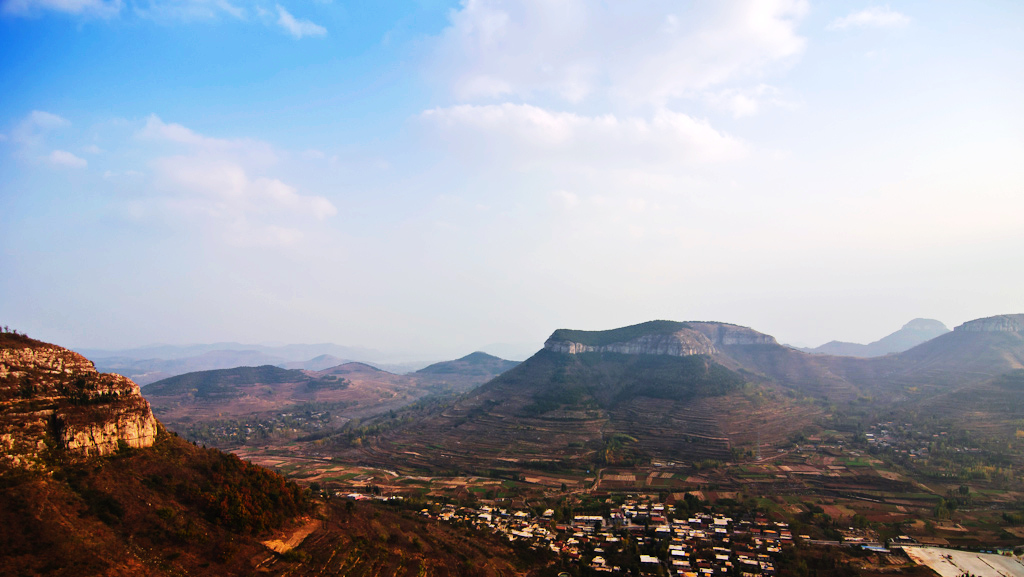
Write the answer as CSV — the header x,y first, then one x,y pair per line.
x,y
44,119
30,136
245,234
873,17
66,159
225,189
157,130
187,10
567,199
30,131
164,10
742,102
100,8
223,183
575,50
93,149
531,134
298,28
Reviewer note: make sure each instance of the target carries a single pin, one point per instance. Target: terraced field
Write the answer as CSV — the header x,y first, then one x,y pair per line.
x,y
479,434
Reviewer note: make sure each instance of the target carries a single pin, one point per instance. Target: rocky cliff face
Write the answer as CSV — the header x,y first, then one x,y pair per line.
x,y
53,398
996,324
697,339
683,343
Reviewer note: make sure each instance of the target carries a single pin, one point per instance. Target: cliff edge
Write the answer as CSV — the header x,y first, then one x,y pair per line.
x,y
54,399
657,338
996,324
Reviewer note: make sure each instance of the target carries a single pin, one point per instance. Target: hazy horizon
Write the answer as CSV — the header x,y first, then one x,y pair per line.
x,y
431,177
513,351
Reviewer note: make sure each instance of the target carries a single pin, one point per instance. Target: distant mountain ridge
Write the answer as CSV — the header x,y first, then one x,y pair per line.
x,y
149,364
316,363
294,352
349,390
909,336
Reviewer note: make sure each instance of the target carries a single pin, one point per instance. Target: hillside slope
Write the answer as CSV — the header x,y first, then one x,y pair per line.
x,y
156,505
974,352
674,389
685,391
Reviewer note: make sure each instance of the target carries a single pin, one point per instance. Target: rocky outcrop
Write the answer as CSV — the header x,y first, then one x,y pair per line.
x,y
697,338
680,344
996,324
53,399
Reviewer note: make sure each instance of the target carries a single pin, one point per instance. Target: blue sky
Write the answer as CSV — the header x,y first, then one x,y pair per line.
x,y
434,177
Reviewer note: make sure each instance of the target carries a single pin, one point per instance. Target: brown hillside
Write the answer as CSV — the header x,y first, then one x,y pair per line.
x,y
166,507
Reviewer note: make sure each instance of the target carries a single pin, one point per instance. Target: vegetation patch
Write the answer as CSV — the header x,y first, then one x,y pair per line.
x,y
620,335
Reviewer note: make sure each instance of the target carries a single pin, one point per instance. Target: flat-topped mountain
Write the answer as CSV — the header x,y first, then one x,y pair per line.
x,y
673,389
682,390
909,336
656,338
996,324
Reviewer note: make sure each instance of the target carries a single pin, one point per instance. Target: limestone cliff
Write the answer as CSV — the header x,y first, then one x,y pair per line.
x,y
657,338
680,344
996,324
53,398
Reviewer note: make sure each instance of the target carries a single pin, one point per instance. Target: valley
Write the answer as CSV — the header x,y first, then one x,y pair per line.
x,y
923,444
604,455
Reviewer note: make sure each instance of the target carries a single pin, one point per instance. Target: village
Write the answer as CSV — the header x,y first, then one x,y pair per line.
x,y
640,534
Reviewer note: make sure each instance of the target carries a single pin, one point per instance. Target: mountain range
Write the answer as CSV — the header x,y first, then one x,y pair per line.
x,y
97,485
348,390
672,390
909,336
147,365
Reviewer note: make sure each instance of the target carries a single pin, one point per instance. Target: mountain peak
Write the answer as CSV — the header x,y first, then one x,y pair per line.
x,y
476,363
925,325
480,357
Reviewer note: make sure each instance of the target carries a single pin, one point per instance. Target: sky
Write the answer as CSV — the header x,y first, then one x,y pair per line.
x,y
438,177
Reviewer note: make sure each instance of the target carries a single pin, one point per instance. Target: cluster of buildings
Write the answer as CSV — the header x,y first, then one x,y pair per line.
x,y
902,440
640,535
255,428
